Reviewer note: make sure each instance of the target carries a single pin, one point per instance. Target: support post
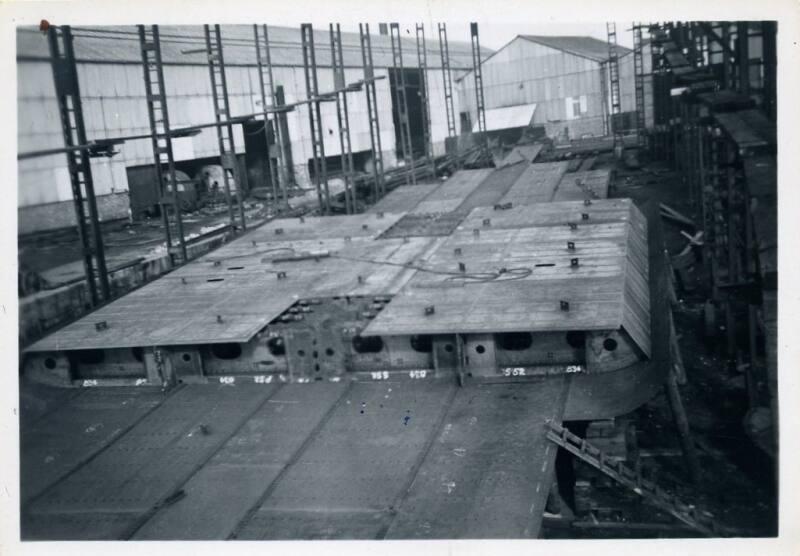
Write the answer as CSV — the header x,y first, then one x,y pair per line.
x,y
267,88
379,188
447,81
168,186
613,71
315,118
65,78
401,103
477,72
222,114
422,61
682,425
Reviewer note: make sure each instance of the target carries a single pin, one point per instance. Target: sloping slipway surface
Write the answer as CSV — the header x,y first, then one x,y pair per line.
x,y
389,459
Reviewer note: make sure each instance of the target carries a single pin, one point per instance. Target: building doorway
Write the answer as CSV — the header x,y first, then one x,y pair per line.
x,y
414,80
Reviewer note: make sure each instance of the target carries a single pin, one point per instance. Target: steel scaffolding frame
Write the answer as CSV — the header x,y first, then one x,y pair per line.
x,y
168,185
266,82
638,78
222,114
315,118
343,118
613,72
402,103
70,109
478,75
447,81
422,60
379,187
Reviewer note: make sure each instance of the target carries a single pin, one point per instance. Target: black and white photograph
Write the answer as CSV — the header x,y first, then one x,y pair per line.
x,y
423,274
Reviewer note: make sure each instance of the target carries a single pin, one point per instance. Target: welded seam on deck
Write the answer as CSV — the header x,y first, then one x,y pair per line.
x,y
555,417
412,476
248,516
558,408
88,459
149,514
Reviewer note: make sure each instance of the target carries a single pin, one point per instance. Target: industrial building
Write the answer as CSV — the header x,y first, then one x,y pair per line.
x,y
297,283
564,79
113,95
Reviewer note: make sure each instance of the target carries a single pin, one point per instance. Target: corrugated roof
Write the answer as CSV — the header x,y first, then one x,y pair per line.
x,y
121,44
587,47
508,117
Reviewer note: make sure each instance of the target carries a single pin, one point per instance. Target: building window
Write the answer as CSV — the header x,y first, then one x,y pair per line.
x,y
576,106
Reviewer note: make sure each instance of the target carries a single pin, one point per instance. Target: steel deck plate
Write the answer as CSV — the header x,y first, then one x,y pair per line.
x,y
361,461
62,440
452,193
185,306
403,198
493,188
219,496
537,184
577,186
606,290
490,468
147,464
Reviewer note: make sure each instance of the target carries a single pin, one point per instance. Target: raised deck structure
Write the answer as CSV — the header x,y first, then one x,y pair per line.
x,y
382,375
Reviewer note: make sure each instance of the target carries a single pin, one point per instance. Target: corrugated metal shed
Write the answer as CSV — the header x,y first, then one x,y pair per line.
x,y
121,44
587,47
508,117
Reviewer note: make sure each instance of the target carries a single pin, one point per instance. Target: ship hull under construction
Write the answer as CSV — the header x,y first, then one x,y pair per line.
x,y
383,375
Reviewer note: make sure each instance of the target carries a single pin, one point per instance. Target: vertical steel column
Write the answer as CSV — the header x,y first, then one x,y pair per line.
x,y
337,63
422,61
65,78
315,118
401,102
450,111
372,112
266,83
168,186
222,114
743,57
638,79
478,74
769,32
727,59
613,71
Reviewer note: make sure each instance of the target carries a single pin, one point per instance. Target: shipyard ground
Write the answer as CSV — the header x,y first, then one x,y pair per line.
x,y
738,482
